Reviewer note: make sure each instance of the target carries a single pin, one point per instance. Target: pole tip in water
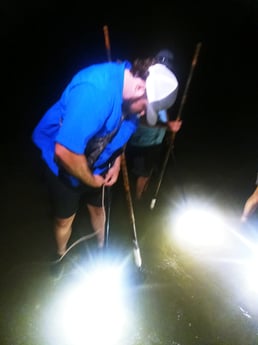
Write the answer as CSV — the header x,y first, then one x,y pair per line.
x,y
152,205
137,257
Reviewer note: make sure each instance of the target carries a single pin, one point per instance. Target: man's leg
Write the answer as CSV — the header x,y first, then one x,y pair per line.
x,y
65,203
63,230
98,220
141,186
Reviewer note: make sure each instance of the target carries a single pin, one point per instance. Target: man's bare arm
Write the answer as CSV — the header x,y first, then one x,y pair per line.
x,y
76,165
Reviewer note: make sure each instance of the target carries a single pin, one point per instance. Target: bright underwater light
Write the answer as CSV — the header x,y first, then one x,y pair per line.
x,y
93,309
199,226
251,275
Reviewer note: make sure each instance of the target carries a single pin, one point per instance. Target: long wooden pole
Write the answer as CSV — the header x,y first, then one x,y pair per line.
x,y
179,115
136,249
107,223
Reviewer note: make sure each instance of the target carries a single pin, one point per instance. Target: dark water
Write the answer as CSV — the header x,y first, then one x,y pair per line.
x,y
180,297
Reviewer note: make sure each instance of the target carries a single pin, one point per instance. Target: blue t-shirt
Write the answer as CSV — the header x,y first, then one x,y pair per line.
x,y
90,106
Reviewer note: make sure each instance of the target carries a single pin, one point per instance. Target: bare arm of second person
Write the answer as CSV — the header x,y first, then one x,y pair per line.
x,y
76,165
250,205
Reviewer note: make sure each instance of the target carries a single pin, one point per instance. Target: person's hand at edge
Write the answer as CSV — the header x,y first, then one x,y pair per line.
x,y
250,205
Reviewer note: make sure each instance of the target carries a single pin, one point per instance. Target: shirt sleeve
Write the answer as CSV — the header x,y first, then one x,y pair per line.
x,y
84,114
163,116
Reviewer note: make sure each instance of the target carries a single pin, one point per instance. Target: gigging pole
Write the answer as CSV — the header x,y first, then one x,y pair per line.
x,y
171,145
107,223
136,249
107,42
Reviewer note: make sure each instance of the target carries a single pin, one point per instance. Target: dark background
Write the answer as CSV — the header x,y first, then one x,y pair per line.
x,y
42,45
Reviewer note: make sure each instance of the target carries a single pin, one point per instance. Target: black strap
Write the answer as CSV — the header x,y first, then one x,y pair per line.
x,y
96,145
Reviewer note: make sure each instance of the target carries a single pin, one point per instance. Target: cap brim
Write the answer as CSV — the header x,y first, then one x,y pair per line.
x,y
161,89
151,115
153,109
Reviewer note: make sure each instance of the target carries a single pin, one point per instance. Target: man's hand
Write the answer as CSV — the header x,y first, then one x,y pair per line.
x,y
175,125
113,173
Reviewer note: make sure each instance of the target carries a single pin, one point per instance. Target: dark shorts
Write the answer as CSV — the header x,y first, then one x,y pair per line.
x,y
66,200
143,160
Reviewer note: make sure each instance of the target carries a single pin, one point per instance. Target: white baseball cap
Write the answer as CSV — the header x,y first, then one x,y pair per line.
x,y
161,89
